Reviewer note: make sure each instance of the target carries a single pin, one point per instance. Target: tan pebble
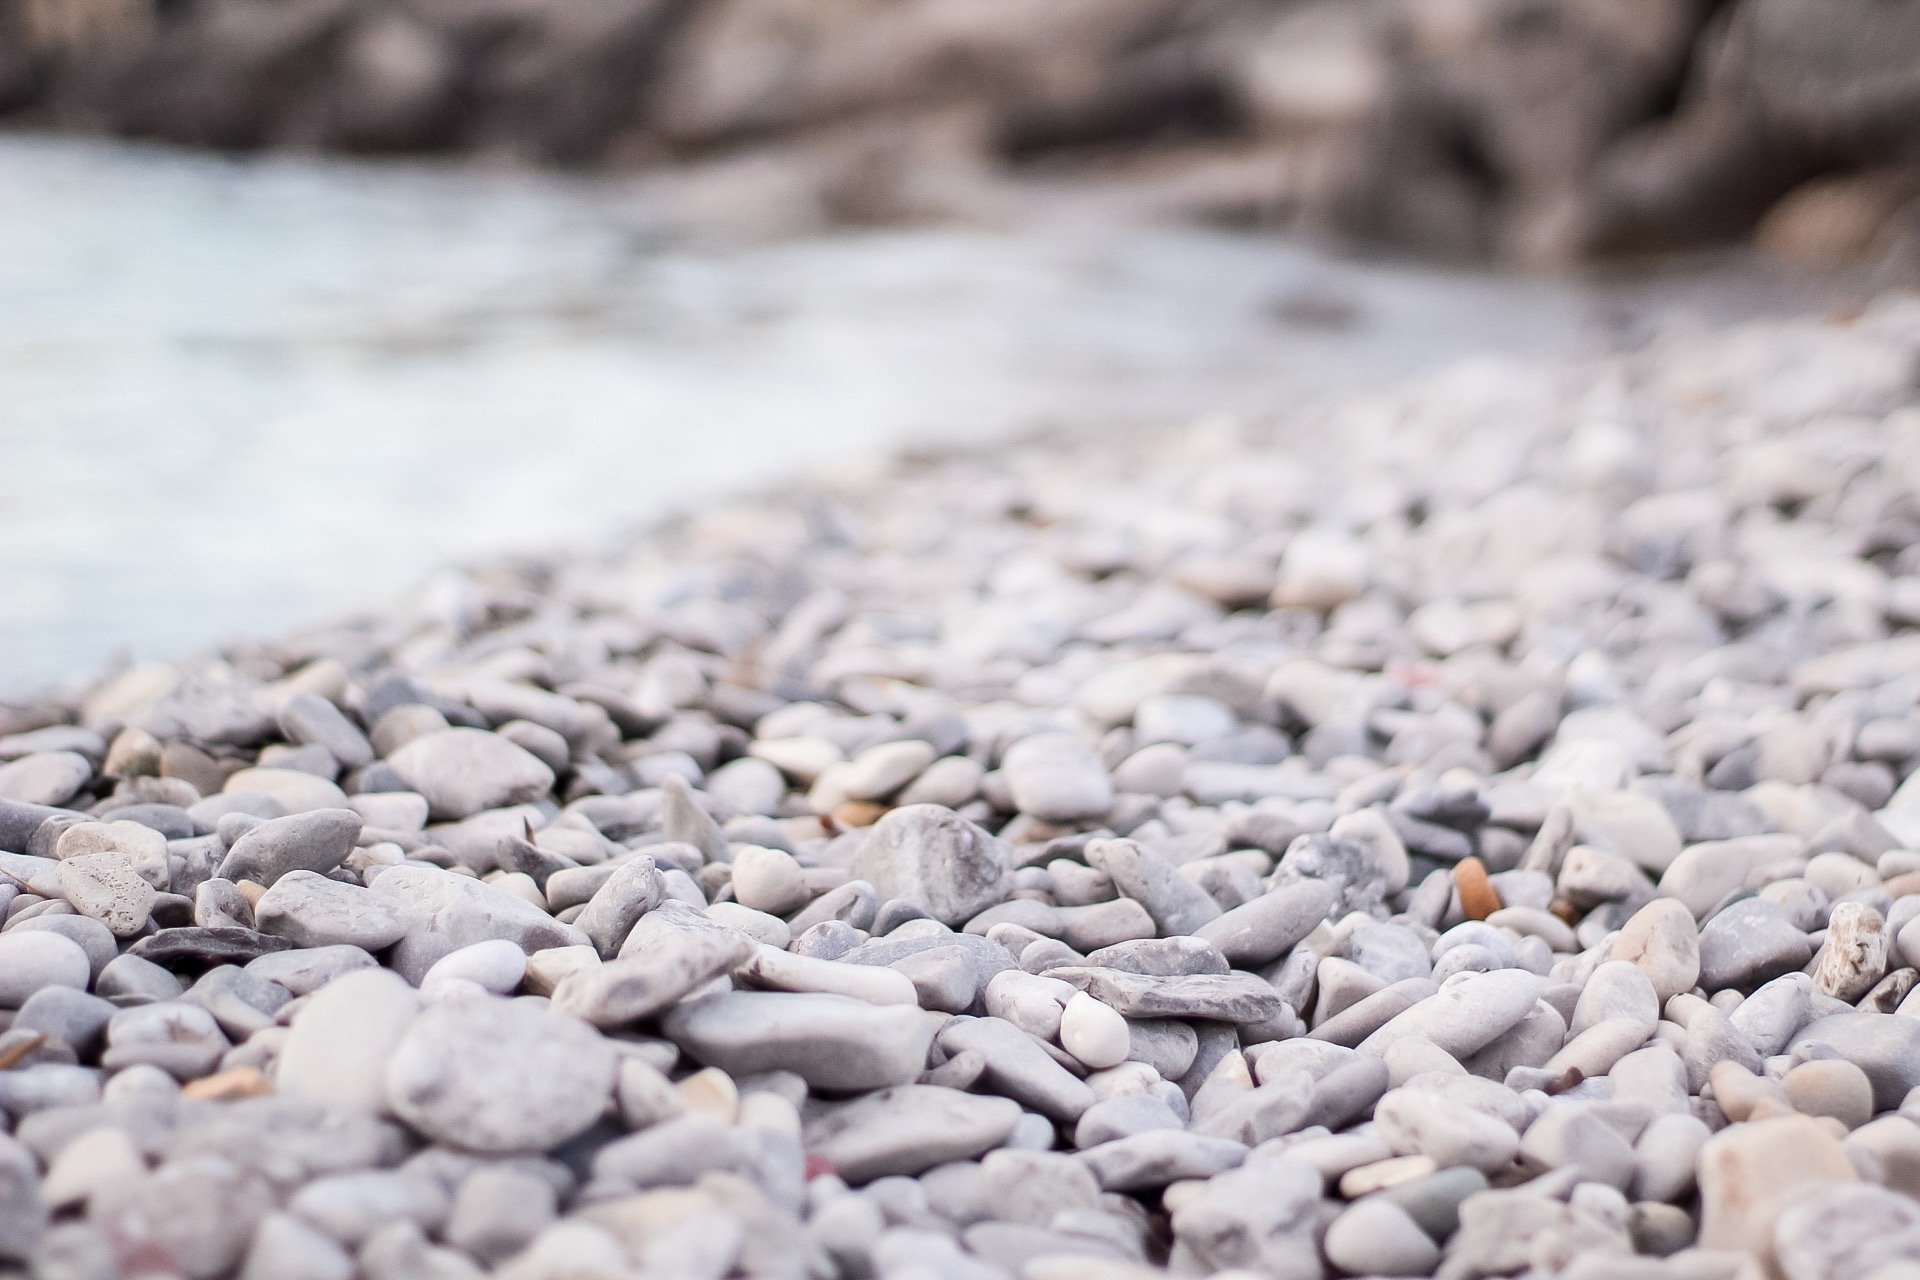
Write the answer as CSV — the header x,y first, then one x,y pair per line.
x,y
1833,1088
858,813
226,1086
711,1091
1749,1172
250,890
1478,897
1907,882
1739,1092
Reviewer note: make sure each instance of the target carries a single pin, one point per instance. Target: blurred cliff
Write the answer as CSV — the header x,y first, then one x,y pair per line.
x,y
1532,131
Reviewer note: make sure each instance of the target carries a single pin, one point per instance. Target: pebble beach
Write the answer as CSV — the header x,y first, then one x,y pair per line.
x,y
1465,829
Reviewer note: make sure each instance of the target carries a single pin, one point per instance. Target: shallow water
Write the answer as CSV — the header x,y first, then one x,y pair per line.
x,y
237,395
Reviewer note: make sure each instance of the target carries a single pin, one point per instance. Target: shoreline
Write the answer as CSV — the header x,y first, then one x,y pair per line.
x,y
1449,829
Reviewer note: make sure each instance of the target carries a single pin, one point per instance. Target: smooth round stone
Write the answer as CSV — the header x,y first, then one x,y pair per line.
x,y
1056,777
318,840
1750,1172
1187,719
1848,1230
1422,1122
1094,1033
835,1043
47,777
468,910
1466,1015
1616,989
1261,931
1376,1237
31,960
296,792
747,785
1663,940
1830,1087
878,772
464,771
340,1041
907,1130
950,782
769,880
499,1076
496,966
310,719
1749,943
310,910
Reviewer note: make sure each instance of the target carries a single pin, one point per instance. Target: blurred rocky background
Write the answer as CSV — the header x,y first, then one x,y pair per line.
x,y
1538,132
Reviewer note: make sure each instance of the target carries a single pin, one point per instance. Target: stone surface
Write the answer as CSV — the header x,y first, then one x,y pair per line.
x,y
318,841
936,860
499,1076
906,1130
835,1044
463,771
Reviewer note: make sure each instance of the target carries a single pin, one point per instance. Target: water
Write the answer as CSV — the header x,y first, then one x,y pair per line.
x,y
235,396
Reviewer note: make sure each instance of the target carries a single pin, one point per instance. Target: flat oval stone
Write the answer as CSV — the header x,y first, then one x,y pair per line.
x,y
1261,931
317,840
31,960
464,771
500,1076
1885,1046
835,1044
907,1130
1465,1016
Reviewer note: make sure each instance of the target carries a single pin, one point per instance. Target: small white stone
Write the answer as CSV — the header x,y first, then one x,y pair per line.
x,y
1093,1032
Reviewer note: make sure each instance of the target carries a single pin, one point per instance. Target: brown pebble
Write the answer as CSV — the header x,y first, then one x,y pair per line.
x,y
1477,895
13,1055
1903,884
1565,910
225,1086
858,813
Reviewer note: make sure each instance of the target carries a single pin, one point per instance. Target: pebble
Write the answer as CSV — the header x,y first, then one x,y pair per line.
x,y
338,1044
1376,1237
1261,931
318,841
1854,956
1094,1033
935,859
669,954
103,887
769,880
306,718
1750,1172
32,960
496,967
1176,904
464,771
1663,940
835,1043
45,778
1056,777
906,1130
1749,943
310,910
496,1075
1464,1016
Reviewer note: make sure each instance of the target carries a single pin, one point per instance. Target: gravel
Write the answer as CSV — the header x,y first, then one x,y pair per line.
x,y
965,874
